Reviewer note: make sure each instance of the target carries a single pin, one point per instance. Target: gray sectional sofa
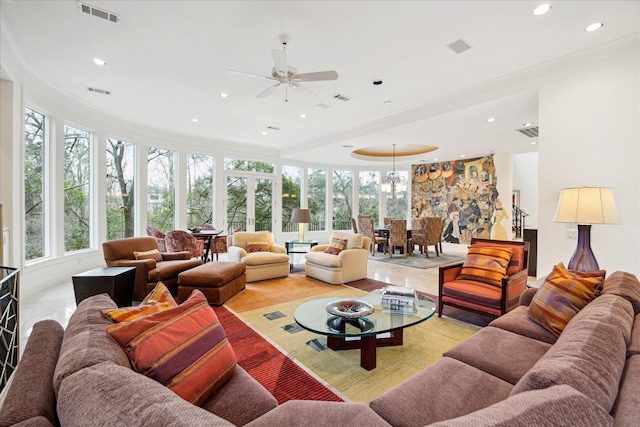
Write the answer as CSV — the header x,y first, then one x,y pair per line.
x,y
511,373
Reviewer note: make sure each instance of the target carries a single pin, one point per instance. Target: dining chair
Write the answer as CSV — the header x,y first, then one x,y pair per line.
x,y
398,237
180,240
387,221
159,236
354,225
367,230
418,232
433,234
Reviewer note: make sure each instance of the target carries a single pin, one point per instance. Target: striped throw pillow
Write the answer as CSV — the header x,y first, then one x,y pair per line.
x,y
185,348
159,299
563,294
336,246
486,264
153,254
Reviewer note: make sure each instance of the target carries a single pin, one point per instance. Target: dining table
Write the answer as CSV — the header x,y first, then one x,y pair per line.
x,y
208,236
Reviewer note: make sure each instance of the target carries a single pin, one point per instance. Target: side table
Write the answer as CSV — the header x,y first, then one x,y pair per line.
x,y
116,281
292,248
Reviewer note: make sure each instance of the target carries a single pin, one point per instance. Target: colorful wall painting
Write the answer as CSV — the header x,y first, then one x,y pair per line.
x,y
464,194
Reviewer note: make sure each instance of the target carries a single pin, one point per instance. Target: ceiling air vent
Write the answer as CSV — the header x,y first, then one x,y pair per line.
x,y
342,97
459,46
531,132
98,13
96,90
273,128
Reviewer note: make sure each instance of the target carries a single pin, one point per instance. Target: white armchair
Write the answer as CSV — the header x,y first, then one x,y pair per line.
x,y
258,251
348,265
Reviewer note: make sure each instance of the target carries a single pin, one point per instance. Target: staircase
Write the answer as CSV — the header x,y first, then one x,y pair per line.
x,y
518,220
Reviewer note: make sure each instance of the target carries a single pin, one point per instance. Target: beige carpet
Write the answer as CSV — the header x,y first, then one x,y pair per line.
x,y
423,343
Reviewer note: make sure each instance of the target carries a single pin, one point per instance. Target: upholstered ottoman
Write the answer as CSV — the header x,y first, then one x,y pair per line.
x,y
218,281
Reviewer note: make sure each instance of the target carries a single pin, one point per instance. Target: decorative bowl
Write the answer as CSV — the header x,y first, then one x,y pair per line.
x,y
349,308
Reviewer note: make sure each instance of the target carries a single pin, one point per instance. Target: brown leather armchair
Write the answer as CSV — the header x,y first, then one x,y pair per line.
x,y
119,253
482,298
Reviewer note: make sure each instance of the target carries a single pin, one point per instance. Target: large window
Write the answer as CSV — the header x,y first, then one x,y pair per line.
x,y
77,189
368,195
317,198
161,189
291,182
34,184
199,190
121,207
342,199
397,204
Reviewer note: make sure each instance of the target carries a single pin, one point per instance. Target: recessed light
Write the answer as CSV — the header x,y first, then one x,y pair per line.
x,y
534,142
491,119
527,124
542,9
594,27
224,95
348,146
462,156
435,159
99,61
387,102
264,132
303,116
195,119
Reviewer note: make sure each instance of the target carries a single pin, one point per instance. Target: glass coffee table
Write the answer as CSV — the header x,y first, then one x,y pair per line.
x,y
363,332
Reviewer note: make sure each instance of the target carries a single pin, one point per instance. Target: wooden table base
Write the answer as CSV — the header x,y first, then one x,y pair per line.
x,y
367,345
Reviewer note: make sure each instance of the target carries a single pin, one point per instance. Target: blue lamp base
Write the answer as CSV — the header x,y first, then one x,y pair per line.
x,y
583,258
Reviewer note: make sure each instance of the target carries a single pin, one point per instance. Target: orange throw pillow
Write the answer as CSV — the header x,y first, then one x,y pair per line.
x,y
159,299
185,348
257,247
486,264
152,254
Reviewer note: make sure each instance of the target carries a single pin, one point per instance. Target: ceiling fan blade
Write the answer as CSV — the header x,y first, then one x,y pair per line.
x,y
244,74
268,91
280,62
314,77
304,91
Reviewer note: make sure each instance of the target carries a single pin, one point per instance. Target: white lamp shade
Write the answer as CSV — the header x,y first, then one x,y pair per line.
x,y
587,205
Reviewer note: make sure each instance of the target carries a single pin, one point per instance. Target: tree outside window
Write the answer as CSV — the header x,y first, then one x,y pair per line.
x,y
342,199
77,189
291,181
161,193
200,172
368,195
317,198
34,175
397,206
120,189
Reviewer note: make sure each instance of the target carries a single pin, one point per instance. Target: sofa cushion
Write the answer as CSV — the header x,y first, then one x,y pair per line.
x,y
185,348
519,322
501,353
323,259
625,285
295,413
170,269
554,406
264,258
257,247
30,393
486,264
446,389
589,355
255,401
627,407
354,240
634,340
336,246
153,254
85,342
561,296
115,396
159,299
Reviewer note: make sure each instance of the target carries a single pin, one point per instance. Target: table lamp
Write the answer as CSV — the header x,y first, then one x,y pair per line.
x,y
302,217
586,206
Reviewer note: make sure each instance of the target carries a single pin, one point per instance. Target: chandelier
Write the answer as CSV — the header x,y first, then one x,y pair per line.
x,y
393,181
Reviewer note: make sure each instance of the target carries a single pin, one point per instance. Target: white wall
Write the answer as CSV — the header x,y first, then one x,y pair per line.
x,y
525,180
589,136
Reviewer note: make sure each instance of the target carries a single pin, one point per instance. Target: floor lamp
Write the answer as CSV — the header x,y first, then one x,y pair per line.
x,y
586,206
302,217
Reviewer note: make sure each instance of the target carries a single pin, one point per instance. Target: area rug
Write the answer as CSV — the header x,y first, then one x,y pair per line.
x,y
423,343
418,260
280,375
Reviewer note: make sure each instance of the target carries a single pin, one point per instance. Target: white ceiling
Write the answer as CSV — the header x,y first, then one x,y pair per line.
x,y
167,62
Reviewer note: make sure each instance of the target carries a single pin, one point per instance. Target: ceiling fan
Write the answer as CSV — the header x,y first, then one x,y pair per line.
x,y
287,76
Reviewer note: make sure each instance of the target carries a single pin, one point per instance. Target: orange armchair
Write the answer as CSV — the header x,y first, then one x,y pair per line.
x,y
480,297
